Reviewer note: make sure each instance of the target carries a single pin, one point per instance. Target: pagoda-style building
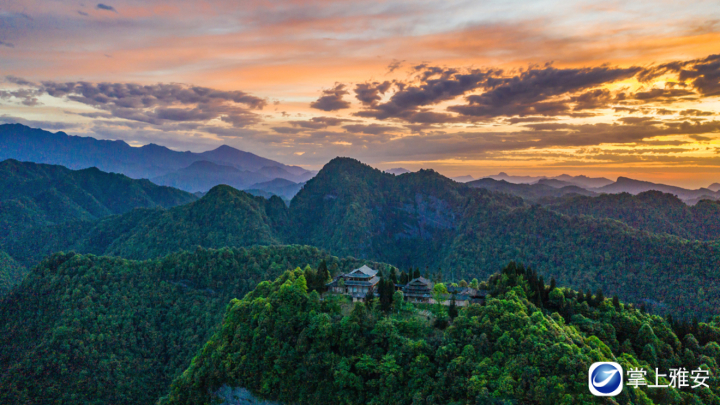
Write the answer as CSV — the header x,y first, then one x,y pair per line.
x,y
357,283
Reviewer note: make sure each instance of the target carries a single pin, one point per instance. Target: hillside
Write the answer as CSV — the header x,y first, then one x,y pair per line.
x,y
424,219
75,152
417,219
11,273
39,195
652,211
223,217
530,344
99,330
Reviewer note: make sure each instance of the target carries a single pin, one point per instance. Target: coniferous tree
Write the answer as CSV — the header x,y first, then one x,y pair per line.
x,y
393,276
452,310
599,297
370,296
323,276
416,274
616,304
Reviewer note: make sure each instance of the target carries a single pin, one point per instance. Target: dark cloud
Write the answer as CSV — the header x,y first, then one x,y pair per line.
x,y
27,97
536,91
703,74
7,44
532,92
18,80
82,13
288,130
369,93
628,110
332,99
697,113
434,85
665,95
394,65
105,7
161,103
371,129
319,122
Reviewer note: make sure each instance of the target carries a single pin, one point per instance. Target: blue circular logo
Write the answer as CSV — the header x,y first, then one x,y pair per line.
x,y
606,378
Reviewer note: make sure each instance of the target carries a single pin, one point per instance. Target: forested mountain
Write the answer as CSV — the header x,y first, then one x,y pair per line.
x,y
424,219
101,330
38,195
530,344
417,219
223,217
531,192
11,273
626,185
29,144
652,211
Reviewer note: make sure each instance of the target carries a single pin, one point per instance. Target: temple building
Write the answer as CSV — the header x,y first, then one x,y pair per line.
x,y
360,281
357,283
420,290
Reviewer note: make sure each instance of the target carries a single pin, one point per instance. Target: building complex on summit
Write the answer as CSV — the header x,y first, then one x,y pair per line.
x,y
359,282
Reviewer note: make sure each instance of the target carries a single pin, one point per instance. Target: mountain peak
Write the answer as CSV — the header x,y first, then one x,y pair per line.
x,y
225,148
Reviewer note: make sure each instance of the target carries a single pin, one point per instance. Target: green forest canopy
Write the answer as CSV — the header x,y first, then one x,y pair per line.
x,y
83,329
530,343
413,220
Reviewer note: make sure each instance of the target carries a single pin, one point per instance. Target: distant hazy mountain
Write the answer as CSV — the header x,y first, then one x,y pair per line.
x,y
530,192
714,187
203,175
150,161
38,194
398,170
463,179
583,181
627,185
282,188
580,181
515,179
554,183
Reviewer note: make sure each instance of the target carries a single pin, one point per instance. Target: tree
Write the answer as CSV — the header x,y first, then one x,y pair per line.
x,y
386,288
393,276
474,283
370,296
323,276
463,283
453,311
416,274
599,297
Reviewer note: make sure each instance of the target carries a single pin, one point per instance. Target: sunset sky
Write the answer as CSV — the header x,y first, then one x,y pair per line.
x,y
464,87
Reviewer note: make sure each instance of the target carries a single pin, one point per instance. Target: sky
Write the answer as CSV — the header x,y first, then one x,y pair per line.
x,y
604,89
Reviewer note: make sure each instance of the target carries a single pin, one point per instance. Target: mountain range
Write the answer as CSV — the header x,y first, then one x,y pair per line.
x,y
425,219
34,195
185,170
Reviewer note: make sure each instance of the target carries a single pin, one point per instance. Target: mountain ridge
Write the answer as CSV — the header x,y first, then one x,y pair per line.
x,y
149,161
